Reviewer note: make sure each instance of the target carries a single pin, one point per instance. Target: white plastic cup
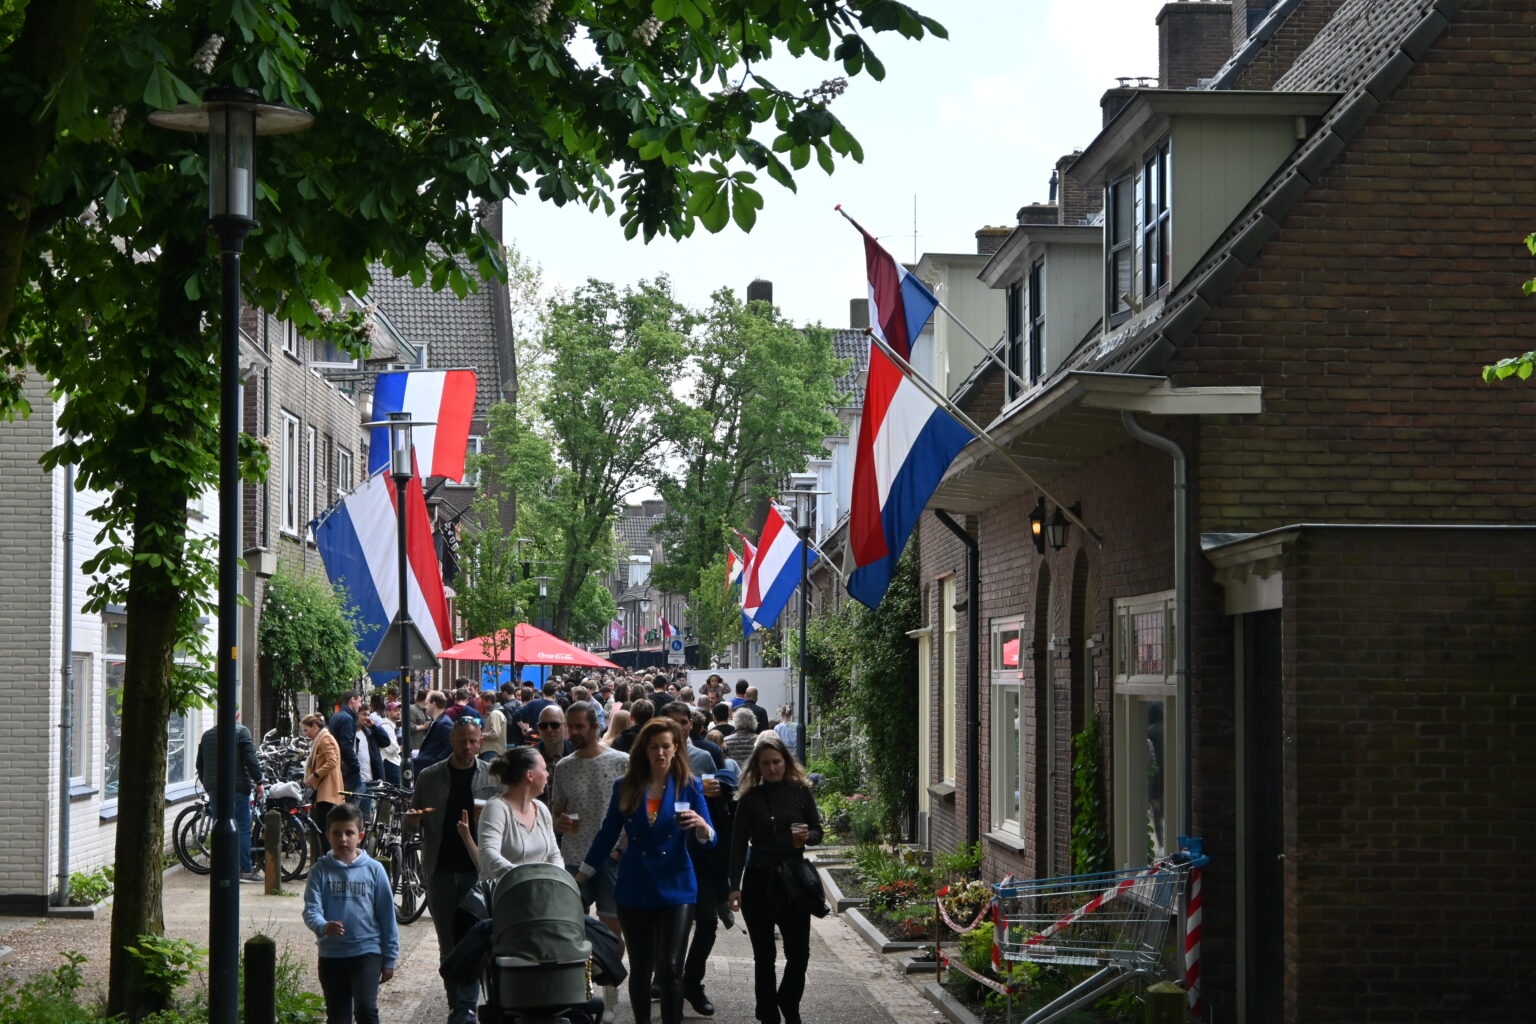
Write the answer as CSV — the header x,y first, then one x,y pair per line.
x,y
679,806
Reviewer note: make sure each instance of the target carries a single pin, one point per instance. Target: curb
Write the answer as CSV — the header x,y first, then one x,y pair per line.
x,y
912,965
875,937
835,897
946,1003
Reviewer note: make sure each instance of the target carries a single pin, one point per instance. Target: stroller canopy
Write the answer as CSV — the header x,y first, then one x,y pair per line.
x,y
537,916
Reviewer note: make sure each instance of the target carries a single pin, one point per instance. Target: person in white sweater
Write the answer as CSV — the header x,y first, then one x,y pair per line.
x,y
515,828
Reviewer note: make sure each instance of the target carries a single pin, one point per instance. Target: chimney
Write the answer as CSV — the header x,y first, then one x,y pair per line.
x,y
1037,213
858,313
1077,203
1114,100
760,291
1194,40
990,239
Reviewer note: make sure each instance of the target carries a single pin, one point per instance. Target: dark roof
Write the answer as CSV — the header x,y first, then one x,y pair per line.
x,y
853,346
456,332
1364,52
635,532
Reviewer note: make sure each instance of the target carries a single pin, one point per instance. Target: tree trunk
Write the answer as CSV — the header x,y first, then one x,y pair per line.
x,y
50,41
169,419
146,707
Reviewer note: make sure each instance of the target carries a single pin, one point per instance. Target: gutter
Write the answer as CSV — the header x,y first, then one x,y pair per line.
x,y
972,676
1181,576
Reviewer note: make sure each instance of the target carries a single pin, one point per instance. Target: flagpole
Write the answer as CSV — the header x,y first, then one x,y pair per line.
x,y
954,410
989,352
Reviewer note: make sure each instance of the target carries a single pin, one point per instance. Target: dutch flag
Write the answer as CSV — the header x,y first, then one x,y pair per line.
x,y
443,398
358,542
773,574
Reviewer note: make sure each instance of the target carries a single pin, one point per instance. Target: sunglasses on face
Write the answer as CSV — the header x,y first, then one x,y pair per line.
x,y
551,725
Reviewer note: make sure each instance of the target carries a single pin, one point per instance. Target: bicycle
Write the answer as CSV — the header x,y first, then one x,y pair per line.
x,y
293,848
398,852
192,835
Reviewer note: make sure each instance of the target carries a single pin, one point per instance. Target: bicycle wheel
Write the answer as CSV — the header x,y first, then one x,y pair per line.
x,y
293,853
410,891
192,838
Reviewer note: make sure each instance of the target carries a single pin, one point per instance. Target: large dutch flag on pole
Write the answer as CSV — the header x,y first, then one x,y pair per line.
x,y
773,574
358,541
443,398
906,441
899,303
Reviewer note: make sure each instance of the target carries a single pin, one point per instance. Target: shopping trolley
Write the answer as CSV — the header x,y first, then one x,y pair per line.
x,y
1116,921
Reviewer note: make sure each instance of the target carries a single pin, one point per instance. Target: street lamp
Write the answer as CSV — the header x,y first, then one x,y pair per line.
x,y
544,582
512,635
803,487
642,606
231,118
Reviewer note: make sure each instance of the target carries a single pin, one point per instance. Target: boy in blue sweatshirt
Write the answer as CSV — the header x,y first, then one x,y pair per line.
x,y
349,906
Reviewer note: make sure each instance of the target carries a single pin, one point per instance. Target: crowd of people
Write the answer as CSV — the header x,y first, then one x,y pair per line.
x,y
672,809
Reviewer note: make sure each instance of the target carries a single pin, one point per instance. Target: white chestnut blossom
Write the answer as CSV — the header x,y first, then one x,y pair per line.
x,y
207,55
541,11
649,29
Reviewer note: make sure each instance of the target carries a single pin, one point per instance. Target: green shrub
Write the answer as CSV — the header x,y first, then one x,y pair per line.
x,y
89,888
168,963
49,997
864,819
959,866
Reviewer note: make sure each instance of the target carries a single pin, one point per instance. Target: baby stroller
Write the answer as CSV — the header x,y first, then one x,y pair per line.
x,y
539,969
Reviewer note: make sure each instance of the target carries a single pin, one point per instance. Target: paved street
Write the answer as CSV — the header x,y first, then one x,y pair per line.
x,y
847,984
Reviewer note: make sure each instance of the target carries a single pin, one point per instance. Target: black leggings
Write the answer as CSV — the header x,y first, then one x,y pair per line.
x,y
655,938
762,907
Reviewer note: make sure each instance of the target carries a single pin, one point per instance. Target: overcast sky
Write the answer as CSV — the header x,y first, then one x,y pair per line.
x,y
959,135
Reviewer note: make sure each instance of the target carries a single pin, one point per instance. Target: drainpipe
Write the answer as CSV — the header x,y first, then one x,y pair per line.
x,y
972,677
67,698
1180,458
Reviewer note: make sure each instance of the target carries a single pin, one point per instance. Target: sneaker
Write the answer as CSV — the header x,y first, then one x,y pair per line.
x,y
725,914
610,1003
251,878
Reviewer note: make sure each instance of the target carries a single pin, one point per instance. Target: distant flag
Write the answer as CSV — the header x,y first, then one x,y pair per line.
x,y
615,633
357,540
733,567
899,303
444,398
906,442
774,574
668,631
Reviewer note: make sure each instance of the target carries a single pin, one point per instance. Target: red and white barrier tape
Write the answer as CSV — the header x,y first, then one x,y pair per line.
x,y
949,922
1092,905
995,986
1192,942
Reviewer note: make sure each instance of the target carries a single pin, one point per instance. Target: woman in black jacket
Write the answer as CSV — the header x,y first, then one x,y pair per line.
x,y
776,816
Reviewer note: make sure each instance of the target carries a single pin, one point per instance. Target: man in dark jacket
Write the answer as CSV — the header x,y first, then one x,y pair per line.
x,y
247,778
437,744
343,726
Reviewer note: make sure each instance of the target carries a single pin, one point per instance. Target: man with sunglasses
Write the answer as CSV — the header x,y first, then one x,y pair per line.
x,y
552,744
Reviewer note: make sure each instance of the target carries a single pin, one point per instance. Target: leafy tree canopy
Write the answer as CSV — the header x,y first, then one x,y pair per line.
x,y
307,639
754,409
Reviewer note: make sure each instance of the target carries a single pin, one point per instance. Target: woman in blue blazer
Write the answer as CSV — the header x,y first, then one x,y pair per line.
x,y
656,803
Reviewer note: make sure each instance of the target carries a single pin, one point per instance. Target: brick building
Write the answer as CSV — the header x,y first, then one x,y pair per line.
x,y
1292,564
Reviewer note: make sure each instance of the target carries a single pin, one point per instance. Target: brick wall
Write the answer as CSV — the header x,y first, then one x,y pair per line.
x,y
1408,679
1193,42
1077,203
1367,318
1280,51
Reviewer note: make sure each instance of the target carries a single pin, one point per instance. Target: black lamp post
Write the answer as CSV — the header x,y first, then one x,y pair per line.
x,y
544,622
232,118
805,504
1037,525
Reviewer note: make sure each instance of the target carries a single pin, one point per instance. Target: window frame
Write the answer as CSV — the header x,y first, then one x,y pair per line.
x,y
82,664
288,478
1116,307
1035,325
114,626
344,471
1014,315
1008,684
475,446
949,628
1155,227
312,446
1143,681
288,338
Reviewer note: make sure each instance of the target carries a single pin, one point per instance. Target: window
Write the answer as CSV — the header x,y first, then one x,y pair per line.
x,y
475,447
950,705
1155,221
288,336
330,353
288,473
1036,320
343,471
313,492
1119,235
179,767
1015,313
1008,726
80,731
1147,741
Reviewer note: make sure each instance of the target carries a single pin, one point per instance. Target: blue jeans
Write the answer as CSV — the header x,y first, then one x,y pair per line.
x,y
243,830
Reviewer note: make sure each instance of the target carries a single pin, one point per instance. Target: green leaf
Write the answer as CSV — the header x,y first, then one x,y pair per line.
x,y
746,202
160,90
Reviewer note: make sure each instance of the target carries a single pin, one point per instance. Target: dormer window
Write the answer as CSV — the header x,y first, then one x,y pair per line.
x,y
1156,201
1119,234
1015,301
1036,320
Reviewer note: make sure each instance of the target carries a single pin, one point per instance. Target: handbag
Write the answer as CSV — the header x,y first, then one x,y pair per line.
x,y
801,886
